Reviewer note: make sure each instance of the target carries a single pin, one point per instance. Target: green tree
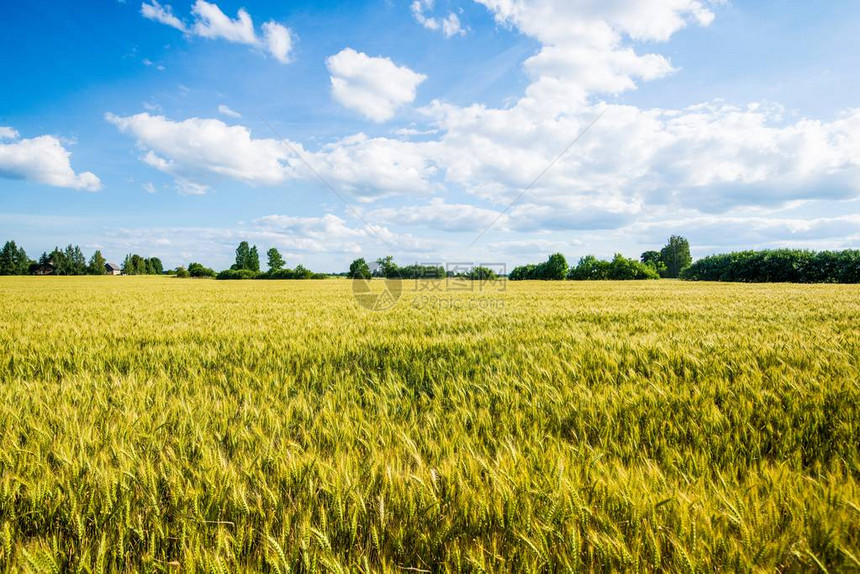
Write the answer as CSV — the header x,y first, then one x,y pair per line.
x,y
76,263
242,254
13,260
156,265
387,266
676,255
254,260
590,268
555,268
198,270
275,261
302,273
246,257
97,264
650,257
359,269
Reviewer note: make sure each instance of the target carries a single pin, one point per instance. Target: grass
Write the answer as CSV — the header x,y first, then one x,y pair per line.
x,y
165,425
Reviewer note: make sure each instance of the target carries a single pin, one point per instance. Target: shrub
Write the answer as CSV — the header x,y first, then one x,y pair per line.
x,y
198,270
231,274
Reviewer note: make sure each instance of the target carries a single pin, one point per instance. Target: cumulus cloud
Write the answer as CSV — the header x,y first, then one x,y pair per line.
x,y
42,159
213,23
374,87
196,150
450,25
702,160
278,41
209,21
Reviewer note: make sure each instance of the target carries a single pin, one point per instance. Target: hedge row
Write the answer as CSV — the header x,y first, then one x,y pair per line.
x,y
778,266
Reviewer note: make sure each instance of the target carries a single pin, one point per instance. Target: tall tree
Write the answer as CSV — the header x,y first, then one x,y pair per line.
x,y
387,266
13,260
676,255
156,265
246,257
58,262
276,262
555,267
253,260
359,269
97,264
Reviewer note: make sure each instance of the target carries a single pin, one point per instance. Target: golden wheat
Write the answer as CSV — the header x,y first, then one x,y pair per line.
x,y
166,425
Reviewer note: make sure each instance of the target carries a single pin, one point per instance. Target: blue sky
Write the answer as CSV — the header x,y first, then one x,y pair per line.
x,y
178,131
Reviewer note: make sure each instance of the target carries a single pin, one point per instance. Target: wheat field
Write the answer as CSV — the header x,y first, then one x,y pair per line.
x,y
157,424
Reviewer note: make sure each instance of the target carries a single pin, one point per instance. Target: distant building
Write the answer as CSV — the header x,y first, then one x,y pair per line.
x,y
112,269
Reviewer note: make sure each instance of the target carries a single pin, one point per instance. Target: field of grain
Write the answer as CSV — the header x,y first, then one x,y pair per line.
x,y
179,425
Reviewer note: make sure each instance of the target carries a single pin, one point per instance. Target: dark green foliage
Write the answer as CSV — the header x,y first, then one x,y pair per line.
x,y
43,266
247,257
275,260
421,272
14,260
386,267
154,266
68,261
522,272
97,264
359,269
553,269
235,274
482,274
181,272
135,264
623,269
778,266
299,272
198,270
676,256
652,257
590,268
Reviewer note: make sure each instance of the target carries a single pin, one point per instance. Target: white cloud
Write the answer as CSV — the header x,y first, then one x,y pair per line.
x,y
698,161
185,187
278,41
450,25
149,188
164,14
211,22
42,159
225,110
439,215
375,87
196,150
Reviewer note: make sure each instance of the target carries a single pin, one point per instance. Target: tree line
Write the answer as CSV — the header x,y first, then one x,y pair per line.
x,y
668,262
386,268
778,266
672,261
247,266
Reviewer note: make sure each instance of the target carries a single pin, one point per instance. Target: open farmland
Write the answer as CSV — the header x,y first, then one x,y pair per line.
x,y
166,424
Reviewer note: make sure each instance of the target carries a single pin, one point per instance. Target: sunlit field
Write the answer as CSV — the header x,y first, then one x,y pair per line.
x,y
176,425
